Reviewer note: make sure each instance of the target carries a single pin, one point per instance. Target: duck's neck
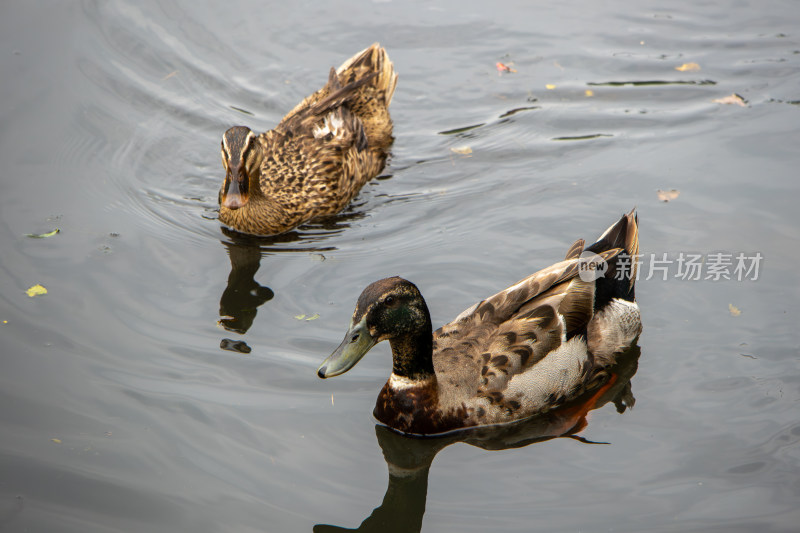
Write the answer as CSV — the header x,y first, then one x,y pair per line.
x,y
260,216
412,354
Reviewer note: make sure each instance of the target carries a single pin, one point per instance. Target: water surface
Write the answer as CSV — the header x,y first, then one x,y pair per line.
x,y
165,381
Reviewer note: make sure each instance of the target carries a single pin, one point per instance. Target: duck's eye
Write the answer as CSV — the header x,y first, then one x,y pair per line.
x,y
389,300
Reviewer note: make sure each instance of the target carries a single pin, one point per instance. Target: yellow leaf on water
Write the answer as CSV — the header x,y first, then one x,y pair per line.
x,y
688,67
42,235
313,317
733,99
588,92
463,150
549,86
57,441
36,290
735,311
666,196
331,399
299,317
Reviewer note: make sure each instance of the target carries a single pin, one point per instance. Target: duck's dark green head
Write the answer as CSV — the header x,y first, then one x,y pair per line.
x,y
390,309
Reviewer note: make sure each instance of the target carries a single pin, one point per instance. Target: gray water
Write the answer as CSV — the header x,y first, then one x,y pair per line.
x,y
128,398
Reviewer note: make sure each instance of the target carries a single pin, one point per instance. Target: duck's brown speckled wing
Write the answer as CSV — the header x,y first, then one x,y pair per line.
x,y
480,356
333,142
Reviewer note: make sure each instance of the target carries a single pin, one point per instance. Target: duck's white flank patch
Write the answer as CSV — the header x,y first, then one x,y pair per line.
x,y
401,382
331,124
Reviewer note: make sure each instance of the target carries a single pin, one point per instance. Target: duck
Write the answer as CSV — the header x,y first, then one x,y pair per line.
x,y
530,348
318,157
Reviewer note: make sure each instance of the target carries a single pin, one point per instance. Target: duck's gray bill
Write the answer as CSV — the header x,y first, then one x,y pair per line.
x,y
356,343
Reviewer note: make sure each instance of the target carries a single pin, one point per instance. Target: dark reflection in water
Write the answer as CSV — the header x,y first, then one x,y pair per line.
x,y
243,295
409,458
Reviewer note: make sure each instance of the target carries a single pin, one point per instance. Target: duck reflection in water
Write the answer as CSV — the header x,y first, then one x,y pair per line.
x,y
409,458
243,295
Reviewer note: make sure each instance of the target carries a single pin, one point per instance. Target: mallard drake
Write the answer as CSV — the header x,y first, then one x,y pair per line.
x,y
522,352
318,157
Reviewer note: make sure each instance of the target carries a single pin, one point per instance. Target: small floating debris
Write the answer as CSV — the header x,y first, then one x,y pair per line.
x,y
502,67
307,318
240,110
43,235
649,82
588,93
549,86
733,99
582,137
234,346
463,150
36,290
57,441
734,311
519,109
688,67
666,196
462,129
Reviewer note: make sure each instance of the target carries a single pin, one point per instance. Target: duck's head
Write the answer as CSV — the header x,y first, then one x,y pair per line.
x,y
241,157
390,309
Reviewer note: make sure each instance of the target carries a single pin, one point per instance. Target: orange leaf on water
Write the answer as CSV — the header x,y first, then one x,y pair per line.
x,y
688,67
502,67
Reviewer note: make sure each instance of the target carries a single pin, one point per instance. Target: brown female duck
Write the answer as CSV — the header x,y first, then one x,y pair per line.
x,y
528,349
318,157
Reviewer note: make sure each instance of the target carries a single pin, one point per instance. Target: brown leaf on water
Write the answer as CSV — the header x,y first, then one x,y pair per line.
x,y
666,196
688,67
735,311
733,99
502,67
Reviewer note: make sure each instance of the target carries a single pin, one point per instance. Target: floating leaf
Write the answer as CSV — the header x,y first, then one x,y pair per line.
x,y
549,86
733,99
57,441
36,290
688,67
501,67
42,235
588,92
331,399
168,76
313,317
299,317
666,196
463,150
735,311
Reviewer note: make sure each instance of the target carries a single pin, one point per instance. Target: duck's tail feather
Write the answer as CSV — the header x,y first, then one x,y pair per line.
x,y
373,60
621,276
